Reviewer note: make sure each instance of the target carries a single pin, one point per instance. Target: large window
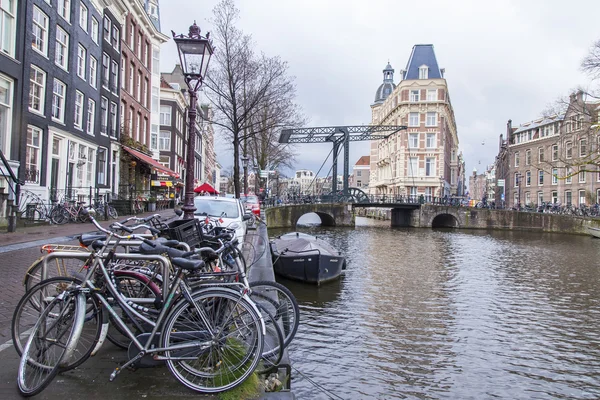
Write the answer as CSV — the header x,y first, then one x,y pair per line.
x,y
93,72
62,48
555,176
59,94
131,78
32,156
528,178
115,36
164,140
81,58
37,90
541,155
83,16
568,198
431,140
91,116
102,166
106,28
6,104
423,72
8,31
569,178
581,197
113,119
527,157
516,158
413,166
583,148
431,94
79,99
64,9
430,166
165,115
414,95
105,69
154,137
555,152
568,150
139,86
104,115
40,31
431,119
540,178
115,76
581,174
413,119
95,30
413,140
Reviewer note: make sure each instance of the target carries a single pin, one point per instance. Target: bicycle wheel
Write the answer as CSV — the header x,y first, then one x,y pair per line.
x,y
281,303
69,267
112,212
33,304
221,360
273,343
59,216
48,344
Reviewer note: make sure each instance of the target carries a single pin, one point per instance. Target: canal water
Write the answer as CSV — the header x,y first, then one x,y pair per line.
x,y
451,314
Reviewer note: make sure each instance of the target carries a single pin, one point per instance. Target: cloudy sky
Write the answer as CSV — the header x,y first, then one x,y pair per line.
x,y
503,60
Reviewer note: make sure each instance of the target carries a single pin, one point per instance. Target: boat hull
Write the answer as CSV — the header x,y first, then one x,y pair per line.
x,y
595,232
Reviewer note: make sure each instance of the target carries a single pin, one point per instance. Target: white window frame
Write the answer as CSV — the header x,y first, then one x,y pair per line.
x,y
431,142
78,110
432,94
431,119
569,150
93,72
583,148
581,175
95,30
106,28
81,61
101,172
64,9
164,142
115,35
115,76
413,140
569,179
91,117
568,198
581,197
61,55
131,78
412,118
415,95
123,73
424,72
104,116
555,176
37,89
555,152
6,111
8,27
83,16
36,159
40,31
527,178
540,177
165,115
165,161
430,166
105,70
541,155
517,159
113,119
59,99
528,157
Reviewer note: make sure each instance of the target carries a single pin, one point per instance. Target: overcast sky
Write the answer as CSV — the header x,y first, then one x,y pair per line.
x,y
503,60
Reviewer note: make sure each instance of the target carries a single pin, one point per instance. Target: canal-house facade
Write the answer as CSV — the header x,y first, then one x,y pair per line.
x,y
422,160
554,158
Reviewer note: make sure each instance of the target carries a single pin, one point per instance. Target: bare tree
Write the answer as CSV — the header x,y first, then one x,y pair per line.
x,y
241,84
591,62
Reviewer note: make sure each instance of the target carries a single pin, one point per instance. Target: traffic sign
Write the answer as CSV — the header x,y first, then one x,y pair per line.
x,y
500,182
264,174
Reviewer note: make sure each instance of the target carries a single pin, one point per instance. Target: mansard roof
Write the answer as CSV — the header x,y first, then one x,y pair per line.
x,y
538,122
422,54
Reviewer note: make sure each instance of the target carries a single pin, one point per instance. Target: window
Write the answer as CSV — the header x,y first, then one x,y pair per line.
x,y
64,9
59,94
115,76
154,137
431,119
101,166
431,140
155,59
430,166
554,197
555,176
131,35
146,60
95,30
90,167
137,128
431,94
123,77
79,99
527,197
115,36
131,77
139,86
568,198
103,115
581,197
414,95
145,94
555,152
528,178
165,115
569,178
165,160
516,178
423,72
6,102
81,57
540,197
93,73
37,89
413,166
541,154
62,48
40,31
516,158
581,174
32,156
7,27
413,141
527,157
164,140
105,70
139,45
540,178
106,28
568,150
113,119
582,147
413,119
83,16
91,117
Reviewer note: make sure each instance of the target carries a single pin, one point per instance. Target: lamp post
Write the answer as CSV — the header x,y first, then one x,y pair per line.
x,y
245,160
194,54
441,188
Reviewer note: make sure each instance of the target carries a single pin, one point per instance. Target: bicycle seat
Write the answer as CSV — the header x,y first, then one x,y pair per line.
x,y
88,238
160,249
187,264
168,243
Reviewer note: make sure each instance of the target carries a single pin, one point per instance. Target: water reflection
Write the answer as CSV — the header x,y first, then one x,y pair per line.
x,y
452,314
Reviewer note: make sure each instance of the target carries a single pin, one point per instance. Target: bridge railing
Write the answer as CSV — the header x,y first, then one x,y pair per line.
x,y
370,199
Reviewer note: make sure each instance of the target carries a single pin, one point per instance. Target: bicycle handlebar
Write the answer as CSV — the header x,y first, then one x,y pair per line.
x,y
90,214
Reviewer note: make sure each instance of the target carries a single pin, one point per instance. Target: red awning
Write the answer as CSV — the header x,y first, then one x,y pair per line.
x,y
150,161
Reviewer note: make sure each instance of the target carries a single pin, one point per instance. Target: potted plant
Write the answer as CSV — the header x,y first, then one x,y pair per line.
x,y
152,204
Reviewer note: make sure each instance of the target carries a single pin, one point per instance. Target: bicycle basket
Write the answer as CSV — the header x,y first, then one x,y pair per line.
x,y
186,230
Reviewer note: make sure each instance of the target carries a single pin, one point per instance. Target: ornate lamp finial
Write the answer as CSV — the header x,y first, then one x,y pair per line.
x,y
194,31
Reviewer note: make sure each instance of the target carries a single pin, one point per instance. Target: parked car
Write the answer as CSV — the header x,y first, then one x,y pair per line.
x,y
251,203
228,210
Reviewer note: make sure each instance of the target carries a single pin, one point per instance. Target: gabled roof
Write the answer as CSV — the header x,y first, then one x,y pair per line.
x,y
422,54
364,160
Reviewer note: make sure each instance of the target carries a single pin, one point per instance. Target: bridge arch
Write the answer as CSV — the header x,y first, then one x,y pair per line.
x,y
330,214
445,220
326,218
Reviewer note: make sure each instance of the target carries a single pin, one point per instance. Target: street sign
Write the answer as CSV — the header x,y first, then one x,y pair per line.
x,y
500,182
264,174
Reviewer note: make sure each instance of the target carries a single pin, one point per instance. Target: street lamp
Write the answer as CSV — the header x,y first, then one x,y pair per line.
x,y
194,54
245,160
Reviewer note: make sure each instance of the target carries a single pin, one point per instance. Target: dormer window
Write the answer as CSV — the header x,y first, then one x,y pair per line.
x,y
423,72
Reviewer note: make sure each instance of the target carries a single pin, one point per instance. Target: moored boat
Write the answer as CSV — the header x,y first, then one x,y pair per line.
x,y
595,232
306,258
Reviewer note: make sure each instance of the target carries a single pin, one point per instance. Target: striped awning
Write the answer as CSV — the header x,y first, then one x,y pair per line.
x,y
161,183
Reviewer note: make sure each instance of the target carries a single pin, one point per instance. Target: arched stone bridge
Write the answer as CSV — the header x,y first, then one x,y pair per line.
x,y
433,216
